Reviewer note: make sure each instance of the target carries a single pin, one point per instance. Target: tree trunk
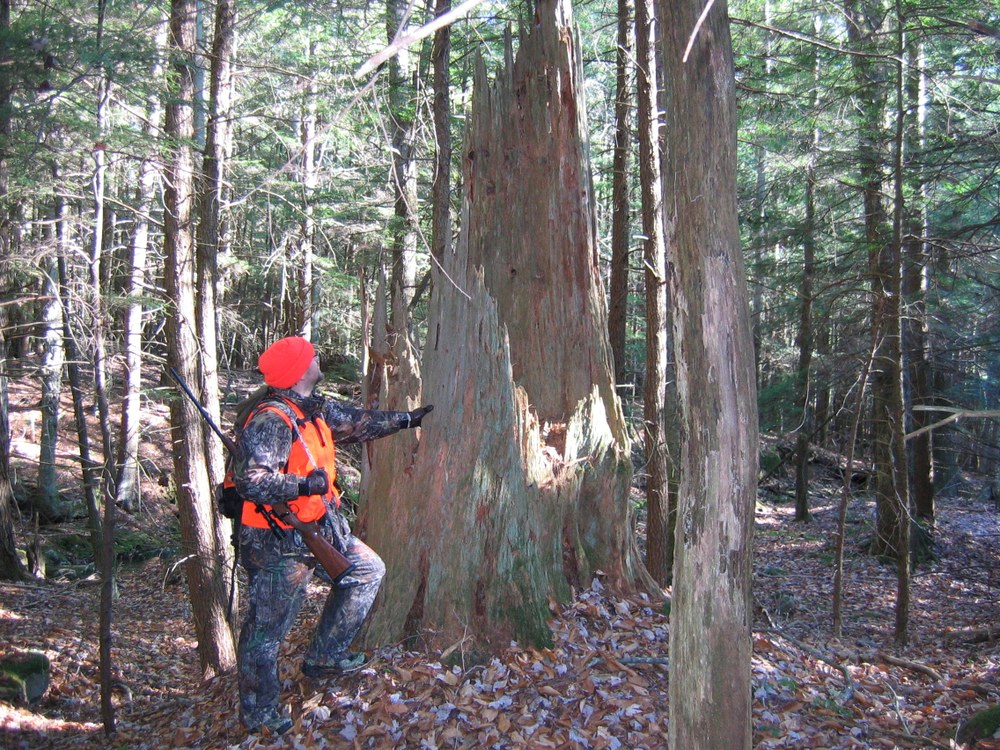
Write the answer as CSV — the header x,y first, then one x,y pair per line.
x,y
441,189
307,178
47,500
11,568
89,467
915,273
480,534
891,521
889,279
710,691
204,569
805,337
659,544
97,311
213,239
618,291
128,493
403,171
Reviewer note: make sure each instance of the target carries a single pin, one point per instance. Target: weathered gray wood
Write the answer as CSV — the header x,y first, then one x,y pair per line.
x,y
710,614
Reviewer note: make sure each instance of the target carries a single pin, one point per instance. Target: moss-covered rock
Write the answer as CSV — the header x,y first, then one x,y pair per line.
x,y
24,677
980,725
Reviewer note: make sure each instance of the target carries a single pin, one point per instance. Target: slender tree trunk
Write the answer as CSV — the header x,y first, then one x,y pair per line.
x,y
11,568
213,241
890,269
307,179
403,172
97,308
618,291
915,282
98,328
805,337
845,499
206,562
762,232
47,500
74,355
710,690
128,492
883,254
659,544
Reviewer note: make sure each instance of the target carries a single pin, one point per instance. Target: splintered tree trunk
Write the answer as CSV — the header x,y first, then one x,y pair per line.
x,y
710,695
518,486
194,503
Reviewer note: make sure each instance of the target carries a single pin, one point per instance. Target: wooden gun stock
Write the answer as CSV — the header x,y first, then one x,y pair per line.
x,y
333,561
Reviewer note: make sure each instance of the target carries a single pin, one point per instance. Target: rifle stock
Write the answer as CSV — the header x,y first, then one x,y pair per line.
x,y
333,561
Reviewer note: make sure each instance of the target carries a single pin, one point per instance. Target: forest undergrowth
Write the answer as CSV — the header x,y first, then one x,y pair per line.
x,y
602,684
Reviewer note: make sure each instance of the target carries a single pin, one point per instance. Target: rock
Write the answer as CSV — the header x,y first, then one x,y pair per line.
x,y
24,677
980,725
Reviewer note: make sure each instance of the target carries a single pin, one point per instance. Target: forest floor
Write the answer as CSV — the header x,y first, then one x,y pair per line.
x,y
603,683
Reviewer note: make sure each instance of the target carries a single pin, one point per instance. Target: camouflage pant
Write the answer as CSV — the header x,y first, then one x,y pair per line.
x,y
278,571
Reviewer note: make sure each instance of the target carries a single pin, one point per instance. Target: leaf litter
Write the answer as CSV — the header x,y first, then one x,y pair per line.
x,y
603,684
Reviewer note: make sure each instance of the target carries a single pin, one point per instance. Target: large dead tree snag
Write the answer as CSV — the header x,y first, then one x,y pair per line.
x,y
518,488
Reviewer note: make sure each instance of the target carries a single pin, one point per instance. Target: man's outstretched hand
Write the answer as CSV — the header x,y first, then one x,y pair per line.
x,y
414,417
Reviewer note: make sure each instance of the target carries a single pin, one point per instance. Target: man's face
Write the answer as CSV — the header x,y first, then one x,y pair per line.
x,y
313,374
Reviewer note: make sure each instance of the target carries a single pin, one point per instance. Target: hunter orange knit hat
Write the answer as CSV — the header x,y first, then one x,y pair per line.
x,y
285,361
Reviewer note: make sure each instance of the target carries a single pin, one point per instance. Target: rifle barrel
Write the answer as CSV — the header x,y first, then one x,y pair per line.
x,y
226,440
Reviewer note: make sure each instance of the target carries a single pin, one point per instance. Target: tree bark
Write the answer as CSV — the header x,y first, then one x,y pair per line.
x,y
659,541
213,241
403,171
618,285
891,497
805,336
710,691
194,502
441,188
11,568
916,268
128,492
47,500
889,278
479,534
307,178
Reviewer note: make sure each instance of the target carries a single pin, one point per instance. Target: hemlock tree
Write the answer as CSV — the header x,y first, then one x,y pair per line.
x,y
710,696
518,487
194,503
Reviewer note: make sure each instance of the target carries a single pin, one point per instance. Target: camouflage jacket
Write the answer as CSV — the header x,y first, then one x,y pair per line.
x,y
264,442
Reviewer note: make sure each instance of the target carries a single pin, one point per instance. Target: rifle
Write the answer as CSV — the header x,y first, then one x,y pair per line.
x,y
333,560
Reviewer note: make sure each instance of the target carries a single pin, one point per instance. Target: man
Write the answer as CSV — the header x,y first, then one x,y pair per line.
x,y
286,462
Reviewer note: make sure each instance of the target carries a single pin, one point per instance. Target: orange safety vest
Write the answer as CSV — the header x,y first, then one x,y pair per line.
x,y
312,448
